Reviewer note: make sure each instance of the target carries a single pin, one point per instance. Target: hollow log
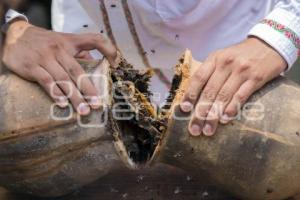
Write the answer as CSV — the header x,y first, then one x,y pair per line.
x,y
47,151
255,157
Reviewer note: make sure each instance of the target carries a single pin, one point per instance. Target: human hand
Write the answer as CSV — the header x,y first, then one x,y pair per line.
x,y
48,58
225,81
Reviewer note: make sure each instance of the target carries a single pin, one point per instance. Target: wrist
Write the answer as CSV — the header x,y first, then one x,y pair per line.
x,y
277,57
16,29
265,55
11,17
16,24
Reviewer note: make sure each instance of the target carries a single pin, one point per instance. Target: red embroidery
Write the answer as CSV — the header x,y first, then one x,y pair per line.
x,y
289,33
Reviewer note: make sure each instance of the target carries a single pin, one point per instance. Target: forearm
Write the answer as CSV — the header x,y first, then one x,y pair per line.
x,y
281,30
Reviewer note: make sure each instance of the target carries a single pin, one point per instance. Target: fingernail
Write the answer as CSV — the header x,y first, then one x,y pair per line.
x,y
186,106
195,130
207,130
95,102
62,102
225,119
83,109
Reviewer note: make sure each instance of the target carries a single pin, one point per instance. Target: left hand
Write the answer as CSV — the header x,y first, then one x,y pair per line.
x,y
225,81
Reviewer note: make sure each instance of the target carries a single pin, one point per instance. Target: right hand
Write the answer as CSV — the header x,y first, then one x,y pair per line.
x,y
48,58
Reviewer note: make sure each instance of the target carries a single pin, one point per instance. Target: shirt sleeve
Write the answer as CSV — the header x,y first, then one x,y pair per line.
x,y
281,30
12,14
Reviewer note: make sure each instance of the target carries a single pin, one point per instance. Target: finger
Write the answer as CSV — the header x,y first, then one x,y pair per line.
x,y
222,100
96,41
207,98
84,55
49,85
211,122
196,84
77,74
239,99
63,80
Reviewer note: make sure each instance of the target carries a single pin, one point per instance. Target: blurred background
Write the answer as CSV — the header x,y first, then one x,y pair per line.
x,y
39,12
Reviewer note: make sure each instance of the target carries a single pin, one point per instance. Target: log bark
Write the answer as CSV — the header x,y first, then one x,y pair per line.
x,y
47,157
252,159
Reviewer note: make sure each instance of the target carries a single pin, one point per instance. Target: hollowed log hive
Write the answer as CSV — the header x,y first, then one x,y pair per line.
x,y
46,156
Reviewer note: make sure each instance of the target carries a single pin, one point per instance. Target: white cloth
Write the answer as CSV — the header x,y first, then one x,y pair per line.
x,y
170,26
167,27
12,14
202,25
